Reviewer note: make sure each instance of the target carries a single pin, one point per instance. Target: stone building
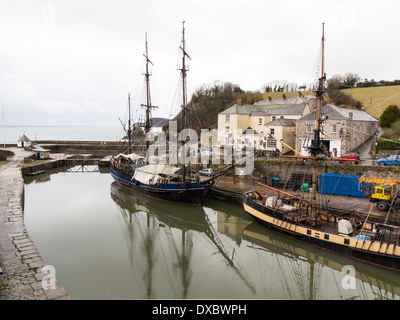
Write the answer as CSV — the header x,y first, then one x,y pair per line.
x,y
343,130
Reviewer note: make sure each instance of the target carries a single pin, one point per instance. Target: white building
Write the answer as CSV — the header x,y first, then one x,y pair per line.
x,y
24,142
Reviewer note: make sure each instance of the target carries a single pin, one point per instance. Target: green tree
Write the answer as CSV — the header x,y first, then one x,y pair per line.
x,y
389,116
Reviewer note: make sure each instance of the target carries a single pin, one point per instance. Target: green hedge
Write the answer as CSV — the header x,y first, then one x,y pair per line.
x,y
388,144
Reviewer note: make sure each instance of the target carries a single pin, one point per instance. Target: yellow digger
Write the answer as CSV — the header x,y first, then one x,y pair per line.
x,y
384,192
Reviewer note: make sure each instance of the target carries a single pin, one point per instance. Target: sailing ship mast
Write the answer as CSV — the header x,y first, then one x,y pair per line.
x,y
315,148
148,106
185,109
129,125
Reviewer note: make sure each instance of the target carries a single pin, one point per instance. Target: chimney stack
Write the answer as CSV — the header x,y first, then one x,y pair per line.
x,y
351,115
240,101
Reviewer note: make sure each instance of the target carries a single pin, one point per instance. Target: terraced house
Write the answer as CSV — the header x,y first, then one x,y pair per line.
x,y
272,117
289,123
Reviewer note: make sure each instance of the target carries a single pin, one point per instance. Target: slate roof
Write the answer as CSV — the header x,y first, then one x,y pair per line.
x,y
239,109
281,122
286,109
292,109
336,113
291,100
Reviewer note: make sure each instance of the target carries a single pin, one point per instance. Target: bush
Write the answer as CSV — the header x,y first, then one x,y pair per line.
x,y
388,145
389,116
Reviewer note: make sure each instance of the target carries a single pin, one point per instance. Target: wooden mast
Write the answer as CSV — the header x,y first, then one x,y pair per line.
x,y
148,106
185,109
316,149
129,125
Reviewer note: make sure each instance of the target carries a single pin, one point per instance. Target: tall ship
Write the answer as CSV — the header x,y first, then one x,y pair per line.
x,y
366,239
175,183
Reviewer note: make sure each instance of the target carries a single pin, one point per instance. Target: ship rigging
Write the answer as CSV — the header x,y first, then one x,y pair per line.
x,y
363,239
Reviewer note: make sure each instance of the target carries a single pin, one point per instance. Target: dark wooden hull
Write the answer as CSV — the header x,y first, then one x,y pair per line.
x,y
189,193
379,254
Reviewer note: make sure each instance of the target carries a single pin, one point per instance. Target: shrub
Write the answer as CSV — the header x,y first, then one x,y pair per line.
x,y
384,144
389,116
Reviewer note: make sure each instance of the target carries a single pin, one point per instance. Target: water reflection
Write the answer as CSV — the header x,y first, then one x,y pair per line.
x,y
307,268
298,270
145,217
109,243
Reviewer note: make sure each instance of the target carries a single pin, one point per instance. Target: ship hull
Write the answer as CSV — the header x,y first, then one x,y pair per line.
x,y
189,193
383,255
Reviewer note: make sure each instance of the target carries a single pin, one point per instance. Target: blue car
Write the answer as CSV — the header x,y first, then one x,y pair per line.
x,y
391,160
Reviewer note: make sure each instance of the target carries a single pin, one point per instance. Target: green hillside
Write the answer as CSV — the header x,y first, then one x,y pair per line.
x,y
375,99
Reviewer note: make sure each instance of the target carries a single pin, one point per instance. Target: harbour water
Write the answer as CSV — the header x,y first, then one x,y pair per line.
x,y
11,134
106,242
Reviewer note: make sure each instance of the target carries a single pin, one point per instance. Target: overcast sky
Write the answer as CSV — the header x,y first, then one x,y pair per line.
x,y
74,62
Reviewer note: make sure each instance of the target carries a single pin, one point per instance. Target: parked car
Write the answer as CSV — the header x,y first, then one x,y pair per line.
x,y
205,153
241,154
391,160
207,172
349,156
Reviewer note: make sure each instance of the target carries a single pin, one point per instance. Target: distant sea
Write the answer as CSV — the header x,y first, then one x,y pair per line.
x,y
11,134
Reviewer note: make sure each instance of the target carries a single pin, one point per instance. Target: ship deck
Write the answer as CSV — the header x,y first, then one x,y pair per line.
x,y
360,205
390,236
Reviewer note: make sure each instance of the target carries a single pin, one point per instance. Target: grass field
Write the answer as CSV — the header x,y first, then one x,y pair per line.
x,y
374,99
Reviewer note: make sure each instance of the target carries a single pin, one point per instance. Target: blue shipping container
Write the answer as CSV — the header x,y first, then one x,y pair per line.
x,y
341,184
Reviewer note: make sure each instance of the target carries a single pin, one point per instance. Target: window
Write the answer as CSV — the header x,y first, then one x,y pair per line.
x,y
273,118
226,129
308,129
333,128
272,131
260,121
227,118
282,117
271,143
